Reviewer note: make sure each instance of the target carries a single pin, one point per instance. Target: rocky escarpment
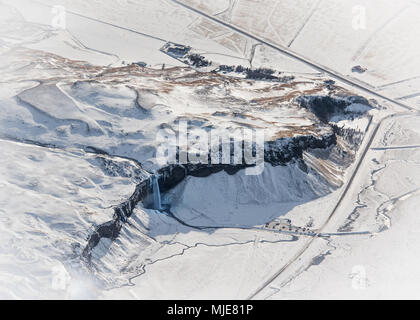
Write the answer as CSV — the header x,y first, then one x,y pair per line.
x,y
279,152
330,108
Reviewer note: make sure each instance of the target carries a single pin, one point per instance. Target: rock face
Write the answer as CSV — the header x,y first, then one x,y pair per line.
x,y
294,148
328,107
276,153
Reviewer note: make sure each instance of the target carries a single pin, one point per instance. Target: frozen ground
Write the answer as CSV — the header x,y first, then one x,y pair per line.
x,y
78,120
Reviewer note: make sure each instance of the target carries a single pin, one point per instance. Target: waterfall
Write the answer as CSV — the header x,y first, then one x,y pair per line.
x,y
157,203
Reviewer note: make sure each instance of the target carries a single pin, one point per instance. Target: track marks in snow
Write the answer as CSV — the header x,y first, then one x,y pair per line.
x,y
190,247
362,48
317,4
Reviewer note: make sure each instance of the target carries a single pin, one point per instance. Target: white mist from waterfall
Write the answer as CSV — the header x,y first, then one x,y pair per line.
x,y
157,202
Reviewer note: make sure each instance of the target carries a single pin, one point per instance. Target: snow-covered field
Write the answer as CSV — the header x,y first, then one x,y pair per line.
x,y
78,133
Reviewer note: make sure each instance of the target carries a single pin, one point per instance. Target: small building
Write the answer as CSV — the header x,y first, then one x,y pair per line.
x,y
141,64
177,50
358,69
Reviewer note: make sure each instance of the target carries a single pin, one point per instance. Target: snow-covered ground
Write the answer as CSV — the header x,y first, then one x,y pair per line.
x,y
50,199
78,131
